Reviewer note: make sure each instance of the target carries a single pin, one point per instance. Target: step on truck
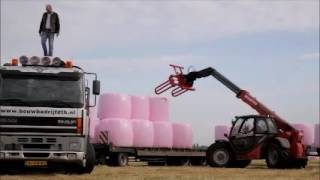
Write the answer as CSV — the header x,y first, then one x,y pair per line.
x,y
44,115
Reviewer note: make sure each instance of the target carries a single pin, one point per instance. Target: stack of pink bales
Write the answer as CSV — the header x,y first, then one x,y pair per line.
x,y
138,121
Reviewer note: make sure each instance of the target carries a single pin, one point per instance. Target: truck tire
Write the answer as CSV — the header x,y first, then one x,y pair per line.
x,y
119,159
89,165
240,163
219,155
90,159
277,157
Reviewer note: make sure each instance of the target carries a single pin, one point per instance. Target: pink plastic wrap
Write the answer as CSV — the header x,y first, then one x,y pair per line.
x,y
317,135
142,133
94,139
308,132
182,135
93,121
162,134
114,106
140,107
159,109
219,132
119,131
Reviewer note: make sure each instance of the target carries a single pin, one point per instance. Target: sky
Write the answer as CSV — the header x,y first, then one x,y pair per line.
x,y
270,48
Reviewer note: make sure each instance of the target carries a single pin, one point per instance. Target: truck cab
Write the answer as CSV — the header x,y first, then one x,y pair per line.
x,y
44,106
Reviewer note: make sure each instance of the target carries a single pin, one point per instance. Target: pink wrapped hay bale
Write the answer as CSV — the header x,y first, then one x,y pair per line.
x,y
182,135
162,137
140,107
220,130
159,109
113,105
142,133
317,135
308,132
119,131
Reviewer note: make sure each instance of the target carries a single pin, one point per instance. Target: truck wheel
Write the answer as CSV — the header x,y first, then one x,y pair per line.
x,y
90,159
277,157
89,166
119,159
219,155
240,163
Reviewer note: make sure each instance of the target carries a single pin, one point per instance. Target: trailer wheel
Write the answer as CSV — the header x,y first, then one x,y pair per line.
x,y
219,155
119,159
240,163
277,157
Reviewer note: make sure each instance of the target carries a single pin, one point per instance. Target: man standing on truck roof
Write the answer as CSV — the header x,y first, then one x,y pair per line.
x,y
49,26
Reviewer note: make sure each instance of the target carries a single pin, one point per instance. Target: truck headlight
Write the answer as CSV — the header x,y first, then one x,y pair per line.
x,y
75,146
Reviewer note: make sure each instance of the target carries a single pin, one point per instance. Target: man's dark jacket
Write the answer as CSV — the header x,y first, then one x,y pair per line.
x,y
54,21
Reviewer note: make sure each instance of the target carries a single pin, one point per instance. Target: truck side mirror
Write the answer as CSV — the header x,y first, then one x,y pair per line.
x,y
96,87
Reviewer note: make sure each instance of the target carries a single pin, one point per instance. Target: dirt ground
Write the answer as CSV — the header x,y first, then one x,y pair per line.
x,y
256,171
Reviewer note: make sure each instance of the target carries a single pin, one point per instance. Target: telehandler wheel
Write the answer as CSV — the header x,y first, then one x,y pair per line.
x,y
219,155
277,157
240,163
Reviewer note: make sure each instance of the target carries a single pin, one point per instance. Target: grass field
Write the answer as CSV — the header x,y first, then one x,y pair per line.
x,y
139,171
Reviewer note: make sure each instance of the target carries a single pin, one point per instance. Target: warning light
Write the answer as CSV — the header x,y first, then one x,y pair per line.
x,y
14,62
23,60
34,60
68,64
45,61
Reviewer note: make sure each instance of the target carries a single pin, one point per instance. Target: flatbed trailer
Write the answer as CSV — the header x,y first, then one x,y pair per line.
x,y
107,154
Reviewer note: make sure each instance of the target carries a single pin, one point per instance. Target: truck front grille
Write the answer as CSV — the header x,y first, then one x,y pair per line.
x,y
36,146
49,125
37,140
38,130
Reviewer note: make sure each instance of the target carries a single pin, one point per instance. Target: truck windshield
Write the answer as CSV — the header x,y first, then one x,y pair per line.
x,y
43,91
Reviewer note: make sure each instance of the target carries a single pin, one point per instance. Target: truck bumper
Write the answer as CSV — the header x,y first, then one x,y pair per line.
x,y
61,156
